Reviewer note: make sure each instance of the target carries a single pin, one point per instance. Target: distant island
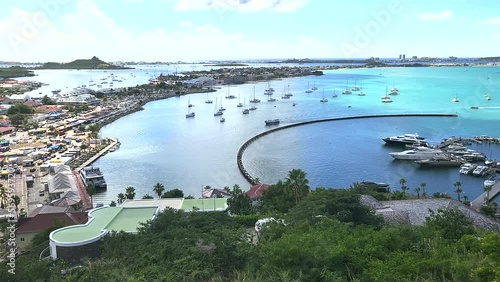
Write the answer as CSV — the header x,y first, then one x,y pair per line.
x,y
15,71
226,65
94,63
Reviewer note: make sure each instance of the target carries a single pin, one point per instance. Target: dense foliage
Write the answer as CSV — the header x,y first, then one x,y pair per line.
x,y
325,235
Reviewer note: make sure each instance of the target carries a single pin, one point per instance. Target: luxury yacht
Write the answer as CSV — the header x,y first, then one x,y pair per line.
x,y
406,139
421,153
272,121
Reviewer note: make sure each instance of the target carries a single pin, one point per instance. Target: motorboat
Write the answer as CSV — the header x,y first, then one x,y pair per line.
x,y
272,121
222,120
421,153
93,176
380,186
490,181
440,161
406,139
190,115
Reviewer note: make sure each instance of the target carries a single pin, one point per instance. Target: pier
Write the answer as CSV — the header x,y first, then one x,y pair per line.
x,y
241,150
113,142
484,199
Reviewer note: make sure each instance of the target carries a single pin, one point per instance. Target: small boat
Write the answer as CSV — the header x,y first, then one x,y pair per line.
x,y
323,100
245,111
488,98
314,86
334,94
347,90
254,100
386,99
455,100
294,104
253,108
189,103
361,93
222,120
239,103
190,115
308,90
474,107
208,101
272,121
216,111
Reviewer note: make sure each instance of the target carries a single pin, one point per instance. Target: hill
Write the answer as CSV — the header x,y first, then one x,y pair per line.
x,y
15,71
94,63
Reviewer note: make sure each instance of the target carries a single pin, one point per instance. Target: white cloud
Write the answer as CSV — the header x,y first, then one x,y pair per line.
x,y
443,15
285,6
492,20
88,32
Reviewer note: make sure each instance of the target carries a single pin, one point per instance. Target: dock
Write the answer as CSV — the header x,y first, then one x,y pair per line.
x,y
482,199
113,142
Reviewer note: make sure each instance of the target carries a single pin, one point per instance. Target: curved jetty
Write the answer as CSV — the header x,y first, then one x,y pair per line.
x,y
241,150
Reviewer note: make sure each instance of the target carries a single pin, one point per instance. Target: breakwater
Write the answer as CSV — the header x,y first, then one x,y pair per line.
x,y
253,180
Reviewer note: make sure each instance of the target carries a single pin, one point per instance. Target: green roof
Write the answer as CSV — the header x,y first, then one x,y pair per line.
x,y
204,204
108,218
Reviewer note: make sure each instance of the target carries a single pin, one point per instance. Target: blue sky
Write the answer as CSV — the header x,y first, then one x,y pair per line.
x,y
188,30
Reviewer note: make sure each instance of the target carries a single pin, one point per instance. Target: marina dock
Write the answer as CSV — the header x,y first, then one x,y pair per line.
x,y
113,142
479,201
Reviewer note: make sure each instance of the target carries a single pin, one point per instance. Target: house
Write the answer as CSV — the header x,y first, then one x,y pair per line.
x,y
45,109
215,193
4,123
256,191
6,130
28,227
18,98
32,103
61,182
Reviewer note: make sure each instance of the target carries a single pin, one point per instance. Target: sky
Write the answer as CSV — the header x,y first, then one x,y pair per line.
x,y
194,30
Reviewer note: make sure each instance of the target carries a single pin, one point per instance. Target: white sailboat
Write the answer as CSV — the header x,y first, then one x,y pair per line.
x,y
314,86
221,109
189,103
216,111
347,90
284,95
323,100
455,100
269,90
239,103
288,93
334,94
355,88
208,101
254,100
189,114
245,111
386,99
308,90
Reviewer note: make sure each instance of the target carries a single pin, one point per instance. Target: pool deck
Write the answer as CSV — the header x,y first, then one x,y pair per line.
x,y
104,220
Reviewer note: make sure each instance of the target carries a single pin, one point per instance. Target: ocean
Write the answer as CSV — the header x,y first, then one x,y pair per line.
x,y
160,145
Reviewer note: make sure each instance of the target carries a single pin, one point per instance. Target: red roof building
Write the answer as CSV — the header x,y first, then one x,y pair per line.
x,y
28,227
257,190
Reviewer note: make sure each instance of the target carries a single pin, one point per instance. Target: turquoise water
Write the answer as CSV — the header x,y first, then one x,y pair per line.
x,y
160,145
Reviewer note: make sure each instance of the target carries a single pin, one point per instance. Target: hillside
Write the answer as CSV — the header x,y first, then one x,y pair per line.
x,y
94,63
11,72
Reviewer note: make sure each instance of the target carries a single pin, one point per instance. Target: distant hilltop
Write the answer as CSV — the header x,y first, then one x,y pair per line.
x,y
94,63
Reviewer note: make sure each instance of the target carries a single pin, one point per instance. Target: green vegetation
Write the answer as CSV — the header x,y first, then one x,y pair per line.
x,y
19,114
15,71
319,235
94,63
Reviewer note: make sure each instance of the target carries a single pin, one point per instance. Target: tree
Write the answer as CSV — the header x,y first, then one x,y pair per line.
x,y
174,193
3,196
130,193
239,203
121,198
422,185
20,109
297,184
147,196
450,223
417,190
91,192
46,100
112,204
458,189
487,189
16,200
402,182
158,188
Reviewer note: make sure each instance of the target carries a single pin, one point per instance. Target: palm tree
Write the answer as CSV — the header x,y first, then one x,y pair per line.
x,y
16,200
121,198
458,189
130,192
3,196
158,189
402,181
487,189
147,196
466,198
404,188
422,185
297,184
90,191
417,190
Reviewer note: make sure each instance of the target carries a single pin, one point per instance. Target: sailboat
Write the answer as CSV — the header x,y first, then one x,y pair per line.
x,y
239,103
487,96
284,96
394,90
288,93
355,88
229,96
334,94
221,107
323,99
208,101
269,90
254,100
314,86
245,111
347,90
308,90
386,99
189,114
455,100
189,103
271,99
216,111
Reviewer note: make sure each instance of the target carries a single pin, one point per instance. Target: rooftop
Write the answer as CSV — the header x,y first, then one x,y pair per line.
x,y
104,220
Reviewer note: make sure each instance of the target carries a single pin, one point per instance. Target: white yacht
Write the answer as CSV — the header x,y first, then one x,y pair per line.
x,y
406,139
421,153
93,175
